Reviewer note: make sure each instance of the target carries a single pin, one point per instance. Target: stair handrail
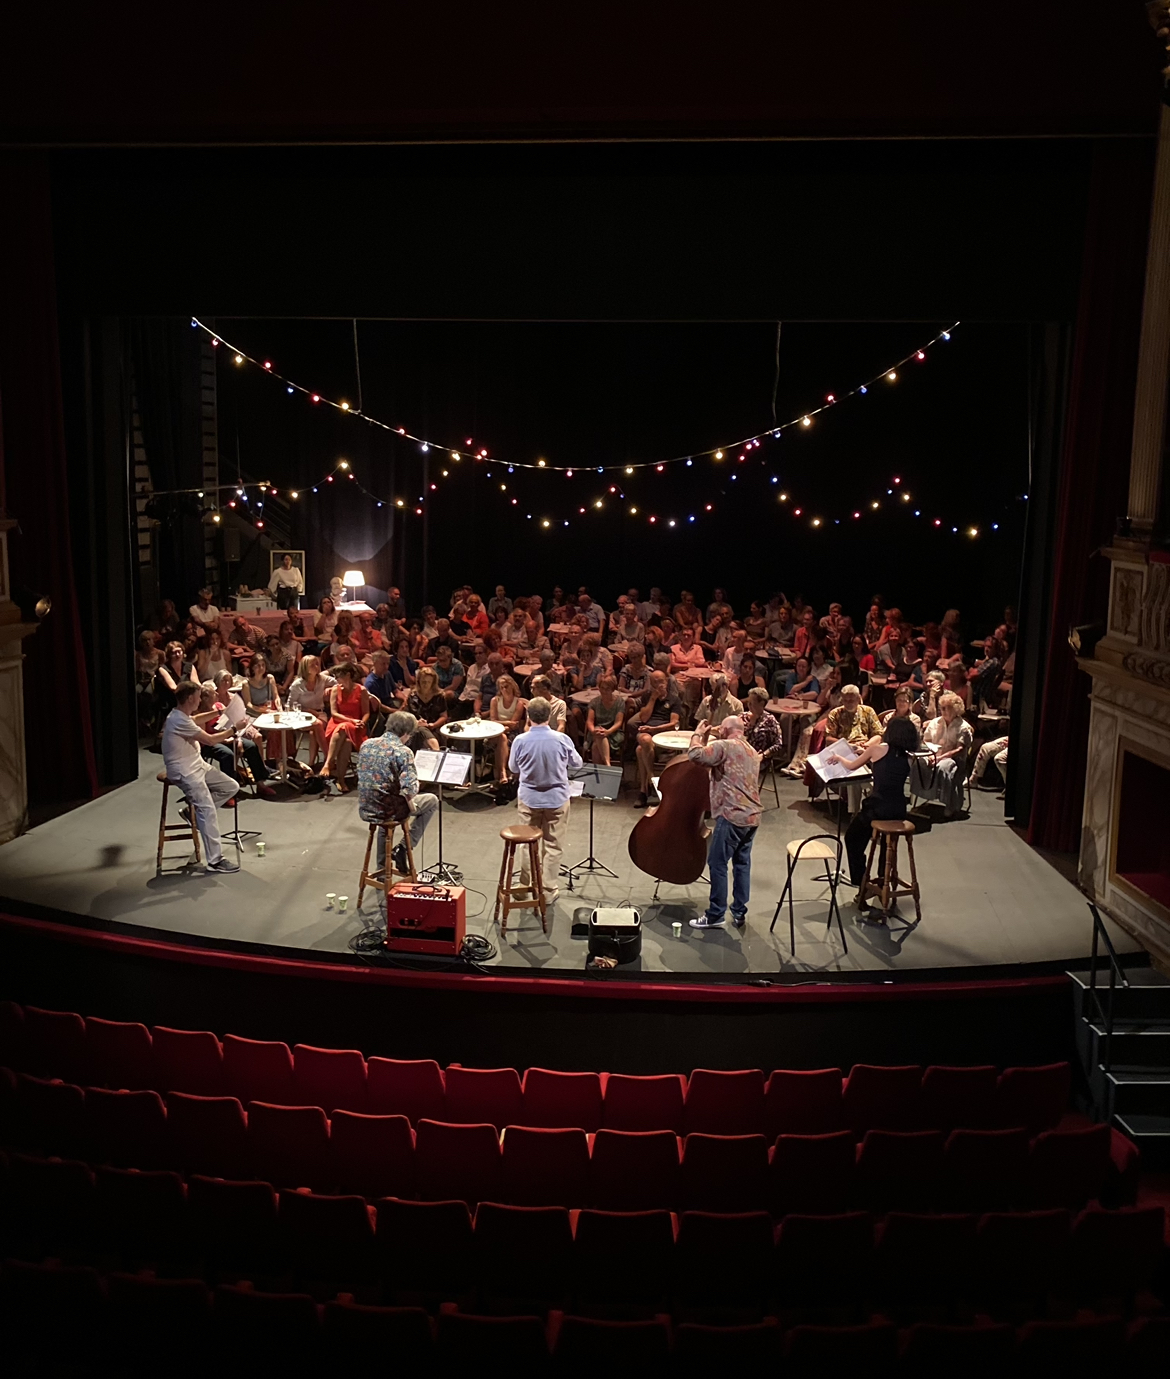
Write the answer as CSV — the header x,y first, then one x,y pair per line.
x,y
1104,1012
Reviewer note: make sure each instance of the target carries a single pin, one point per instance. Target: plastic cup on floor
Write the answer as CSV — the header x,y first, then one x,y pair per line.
x,y
260,849
330,897
342,902
676,929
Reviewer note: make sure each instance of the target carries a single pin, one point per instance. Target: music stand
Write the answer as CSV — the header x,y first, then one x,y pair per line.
x,y
597,783
238,835
442,768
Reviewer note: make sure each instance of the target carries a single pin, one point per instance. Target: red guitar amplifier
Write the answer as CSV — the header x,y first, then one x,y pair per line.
x,y
425,919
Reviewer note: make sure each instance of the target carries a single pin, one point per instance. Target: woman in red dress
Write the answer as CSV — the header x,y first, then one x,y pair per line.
x,y
349,706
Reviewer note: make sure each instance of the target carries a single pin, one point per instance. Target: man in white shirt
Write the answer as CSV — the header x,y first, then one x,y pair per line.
x,y
204,786
719,704
649,609
287,584
205,614
543,759
593,613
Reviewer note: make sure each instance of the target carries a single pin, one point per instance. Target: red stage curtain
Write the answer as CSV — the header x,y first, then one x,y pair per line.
x,y
1094,472
56,694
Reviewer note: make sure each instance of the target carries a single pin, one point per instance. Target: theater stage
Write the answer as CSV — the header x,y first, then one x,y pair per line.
x,y
988,900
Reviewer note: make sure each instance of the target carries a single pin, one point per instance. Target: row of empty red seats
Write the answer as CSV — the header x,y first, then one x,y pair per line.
x,y
116,1055
299,1146
506,1257
151,1326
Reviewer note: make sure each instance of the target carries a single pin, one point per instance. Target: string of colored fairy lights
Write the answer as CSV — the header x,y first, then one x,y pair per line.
x,y
607,499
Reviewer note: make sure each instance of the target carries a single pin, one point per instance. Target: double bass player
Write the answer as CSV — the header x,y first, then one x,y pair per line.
x,y
735,804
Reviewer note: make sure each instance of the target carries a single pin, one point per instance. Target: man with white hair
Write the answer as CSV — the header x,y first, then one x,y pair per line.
x,y
542,759
388,787
735,805
719,704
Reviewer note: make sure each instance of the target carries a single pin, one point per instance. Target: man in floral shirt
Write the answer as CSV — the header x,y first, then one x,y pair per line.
x,y
388,786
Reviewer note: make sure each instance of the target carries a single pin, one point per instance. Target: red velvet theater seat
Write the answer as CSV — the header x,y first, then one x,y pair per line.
x,y
457,1162
233,1225
879,1098
187,1061
126,1129
724,1259
362,1339
985,1170
120,1054
958,1098
489,1096
54,1045
1069,1168
644,1103
587,1345
724,1173
561,1100
414,1088
900,1171
142,1216
871,1349
724,1103
474,1344
1020,1258
372,1155
334,1079
930,1349
812,1173
158,1325
289,1145
258,1070
327,1239
425,1248
543,1168
634,1170
1035,1098
50,1209
207,1135
49,1117
803,1103
643,1243
523,1257
823,1259
264,1333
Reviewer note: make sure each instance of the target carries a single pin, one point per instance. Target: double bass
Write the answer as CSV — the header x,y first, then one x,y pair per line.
x,y
670,842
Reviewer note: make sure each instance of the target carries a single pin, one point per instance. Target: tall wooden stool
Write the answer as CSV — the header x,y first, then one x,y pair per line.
x,y
514,836
171,832
889,885
381,878
821,847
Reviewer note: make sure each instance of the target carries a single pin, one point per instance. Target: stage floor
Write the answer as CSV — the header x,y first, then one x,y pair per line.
x,y
988,900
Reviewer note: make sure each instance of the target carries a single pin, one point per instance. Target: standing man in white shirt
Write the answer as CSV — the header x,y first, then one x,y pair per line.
x,y
204,786
543,759
287,584
204,614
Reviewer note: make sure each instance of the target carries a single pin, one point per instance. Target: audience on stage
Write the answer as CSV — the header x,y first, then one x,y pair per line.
x,y
349,707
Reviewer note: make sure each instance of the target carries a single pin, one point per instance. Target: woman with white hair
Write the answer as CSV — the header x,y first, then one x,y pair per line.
x,y
949,738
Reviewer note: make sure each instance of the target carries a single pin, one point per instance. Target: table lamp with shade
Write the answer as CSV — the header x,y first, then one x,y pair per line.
x,y
353,579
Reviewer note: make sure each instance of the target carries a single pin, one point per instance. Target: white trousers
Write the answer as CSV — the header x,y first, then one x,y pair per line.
x,y
205,792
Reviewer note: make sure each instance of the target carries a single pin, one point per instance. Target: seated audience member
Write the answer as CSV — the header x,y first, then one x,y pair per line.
x,y
542,688
603,726
249,741
838,628
756,622
515,632
342,633
951,631
290,645
571,640
430,623
365,638
396,604
670,632
427,701
388,789
547,661
660,713
468,703
478,621
747,678
443,637
164,622
985,675
734,652
380,684
852,721
782,629
761,729
891,658
935,685
507,707
686,614
401,668
890,762
634,679
720,606
921,669
243,640
308,694
719,703
593,613
992,753
534,620
800,682
554,605
653,642
594,661
280,667
958,684
662,663
808,634
324,623
349,708
450,673
819,661
715,637
893,622
500,599
147,659
613,622
204,614
949,736
211,657
629,628
173,669
903,708
875,622
647,608
259,691
686,653
812,729
458,620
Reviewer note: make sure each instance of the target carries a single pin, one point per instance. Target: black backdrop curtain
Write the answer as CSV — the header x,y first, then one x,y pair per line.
x,y
58,730
1094,471
165,355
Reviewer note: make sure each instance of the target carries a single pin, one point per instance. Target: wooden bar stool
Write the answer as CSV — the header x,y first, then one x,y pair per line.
x,y
514,836
171,832
382,878
821,847
889,885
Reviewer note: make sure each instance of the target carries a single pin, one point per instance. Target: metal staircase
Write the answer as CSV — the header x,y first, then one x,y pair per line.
x,y
1123,1037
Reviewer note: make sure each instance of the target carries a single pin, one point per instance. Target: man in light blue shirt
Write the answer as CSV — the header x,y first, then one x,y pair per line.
x,y
543,759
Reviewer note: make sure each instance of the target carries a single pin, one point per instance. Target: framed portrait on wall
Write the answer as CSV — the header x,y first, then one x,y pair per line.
x,y
286,580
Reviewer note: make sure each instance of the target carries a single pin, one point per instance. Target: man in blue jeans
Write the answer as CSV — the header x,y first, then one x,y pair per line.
x,y
735,805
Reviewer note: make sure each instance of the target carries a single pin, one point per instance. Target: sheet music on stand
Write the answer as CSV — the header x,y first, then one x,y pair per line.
x,y
833,771
596,782
445,767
